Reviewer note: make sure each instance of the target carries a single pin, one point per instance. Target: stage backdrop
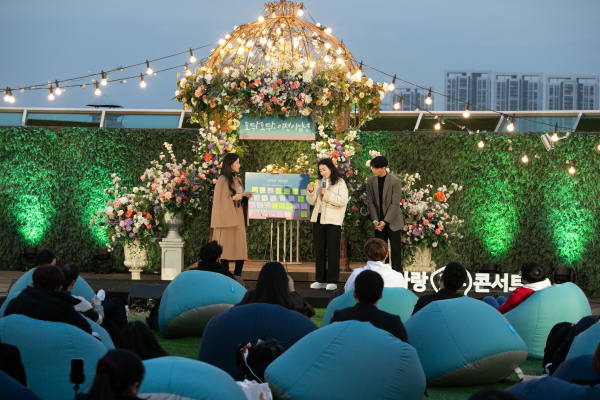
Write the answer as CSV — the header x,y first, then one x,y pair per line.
x,y
52,181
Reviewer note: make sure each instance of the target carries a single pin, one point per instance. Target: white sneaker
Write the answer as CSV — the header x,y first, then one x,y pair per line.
x,y
318,285
331,286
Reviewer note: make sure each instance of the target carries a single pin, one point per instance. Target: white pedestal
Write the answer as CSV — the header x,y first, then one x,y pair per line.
x,y
171,258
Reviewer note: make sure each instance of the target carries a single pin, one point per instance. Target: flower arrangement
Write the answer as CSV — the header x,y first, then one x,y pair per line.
x,y
301,167
426,218
210,149
287,86
174,186
128,217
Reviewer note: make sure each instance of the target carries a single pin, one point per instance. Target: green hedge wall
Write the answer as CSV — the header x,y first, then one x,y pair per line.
x,y
52,181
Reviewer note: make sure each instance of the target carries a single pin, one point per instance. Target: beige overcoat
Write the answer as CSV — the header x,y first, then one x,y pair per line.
x,y
228,221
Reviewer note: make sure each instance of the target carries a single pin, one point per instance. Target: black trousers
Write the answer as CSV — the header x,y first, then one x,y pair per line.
x,y
327,237
239,264
395,245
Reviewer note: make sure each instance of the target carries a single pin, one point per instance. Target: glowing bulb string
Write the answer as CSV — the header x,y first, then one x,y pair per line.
x,y
45,84
465,102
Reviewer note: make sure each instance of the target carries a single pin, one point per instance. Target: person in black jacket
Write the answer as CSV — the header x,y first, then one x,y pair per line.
x,y
368,290
43,300
210,254
452,279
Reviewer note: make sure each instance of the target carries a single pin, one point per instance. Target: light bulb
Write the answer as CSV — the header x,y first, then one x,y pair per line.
x,y
438,126
554,137
192,58
51,95
7,97
319,24
226,71
281,40
428,100
572,170
188,72
599,147
481,144
466,114
149,70
97,91
340,60
267,57
339,51
222,41
327,59
278,31
227,36
261,19
312,64
12,99
229,45
510,127
327,46
391,88
300,13
328,31
103,82
263,40
58,91
143,84
397,106
525,159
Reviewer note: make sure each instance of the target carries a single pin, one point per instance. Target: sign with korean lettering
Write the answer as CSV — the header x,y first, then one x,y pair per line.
x,y
482,283
277,128
278,196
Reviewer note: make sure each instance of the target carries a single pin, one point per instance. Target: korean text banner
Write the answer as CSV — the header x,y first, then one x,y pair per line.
x,y
277,128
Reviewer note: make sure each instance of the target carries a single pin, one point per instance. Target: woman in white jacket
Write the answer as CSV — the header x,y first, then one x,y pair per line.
x,y
377,251
329,199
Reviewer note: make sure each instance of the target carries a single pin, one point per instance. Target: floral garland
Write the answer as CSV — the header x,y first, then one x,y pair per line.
x,y
210,149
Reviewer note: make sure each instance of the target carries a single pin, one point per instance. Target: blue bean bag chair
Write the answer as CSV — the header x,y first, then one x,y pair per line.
x,y
81,286
192,299
170,377
104,335
247,324
464,342
579,368
347,360
398,301
534,318
12,389
550,388
586,342
46,352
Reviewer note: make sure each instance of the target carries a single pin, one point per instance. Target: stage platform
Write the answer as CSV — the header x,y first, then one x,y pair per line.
x,y
118,284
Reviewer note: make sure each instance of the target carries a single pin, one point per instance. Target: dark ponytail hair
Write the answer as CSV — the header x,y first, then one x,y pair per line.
x,y
335,174
227,172
117,371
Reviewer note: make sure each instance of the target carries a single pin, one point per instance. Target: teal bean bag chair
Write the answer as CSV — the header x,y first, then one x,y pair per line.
x,y
464,342
577,368
46,352
81,286
192,299
347,360
534,318
106,339
398,301
586,342
181,378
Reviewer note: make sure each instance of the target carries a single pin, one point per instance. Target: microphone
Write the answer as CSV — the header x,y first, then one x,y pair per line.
x,y
376,223
324,184
239,192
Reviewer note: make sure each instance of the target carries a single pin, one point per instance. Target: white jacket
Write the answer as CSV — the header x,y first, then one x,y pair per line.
x,y
334,202
390,277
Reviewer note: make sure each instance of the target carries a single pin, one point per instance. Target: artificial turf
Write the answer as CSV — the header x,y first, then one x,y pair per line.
x,y
188,347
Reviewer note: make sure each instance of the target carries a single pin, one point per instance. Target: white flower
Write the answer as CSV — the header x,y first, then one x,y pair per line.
x,y
208,78
269,168
182,82
109,210
369,82
135,190
434,244
124,200
368,163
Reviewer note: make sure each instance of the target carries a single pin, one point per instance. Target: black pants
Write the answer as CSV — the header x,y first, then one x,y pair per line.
x,y
327,237
395,245
239,264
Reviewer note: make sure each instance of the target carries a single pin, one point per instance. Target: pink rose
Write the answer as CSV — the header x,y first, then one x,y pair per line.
x,y
182,92
203,177
299,103
214,181
168,195
197,93
116,203
232,85
121,223
405,227
157,222
135,230
216,162
143,178
425,222
167,175
346,154
441,227
297,84
437,231
120,212
354,208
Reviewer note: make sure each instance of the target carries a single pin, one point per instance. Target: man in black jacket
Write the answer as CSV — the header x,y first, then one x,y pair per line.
x,y
368,290
44,300
453,278
210,254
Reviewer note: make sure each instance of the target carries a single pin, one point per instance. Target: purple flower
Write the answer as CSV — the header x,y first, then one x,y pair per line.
x,y
211,145
122,233
404,240
129,228
128,222
416,232
213,170
132,234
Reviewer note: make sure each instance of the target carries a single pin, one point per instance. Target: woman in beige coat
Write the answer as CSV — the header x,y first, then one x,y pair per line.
x,y
329,199
230,214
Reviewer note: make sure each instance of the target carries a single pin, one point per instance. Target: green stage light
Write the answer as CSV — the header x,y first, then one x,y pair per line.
x,y
94,199
572,229
32,215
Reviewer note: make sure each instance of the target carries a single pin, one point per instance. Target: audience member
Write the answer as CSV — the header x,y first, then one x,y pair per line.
x,y
368,291
45,257
119,375
43,300
10,363
210,255
377,252
275,286
453,278
533,277
137,337
93,310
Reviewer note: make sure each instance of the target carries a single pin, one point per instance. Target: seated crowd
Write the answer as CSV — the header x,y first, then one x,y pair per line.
x,y
120,372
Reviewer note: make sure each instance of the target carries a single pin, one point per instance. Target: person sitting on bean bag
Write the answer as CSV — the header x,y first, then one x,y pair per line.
x,y
43,300
533,277
453,278
119,375
137,337
368,291
93,310
210,254
377,252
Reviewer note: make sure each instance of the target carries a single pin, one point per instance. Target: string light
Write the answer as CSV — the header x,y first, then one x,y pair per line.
x,y
142,83
51,95
187,70
398,105
97,92
328,31
261,19
149,70
466,114
104,79
392,86
599,147
9,97
192,58
481,144
525,159
428,99
300,11
511,125
438,126
572,169
555,134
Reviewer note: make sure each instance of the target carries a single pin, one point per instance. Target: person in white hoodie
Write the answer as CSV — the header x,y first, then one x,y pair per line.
x,y
377,251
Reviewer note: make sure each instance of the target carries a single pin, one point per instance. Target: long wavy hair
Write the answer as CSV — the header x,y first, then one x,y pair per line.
x,y
272,287
335,174
227,172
